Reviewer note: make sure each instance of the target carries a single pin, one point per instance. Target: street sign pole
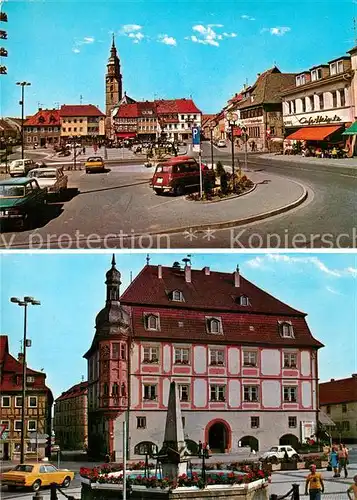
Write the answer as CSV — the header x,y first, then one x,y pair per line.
x,y
200,164
196,146
124,459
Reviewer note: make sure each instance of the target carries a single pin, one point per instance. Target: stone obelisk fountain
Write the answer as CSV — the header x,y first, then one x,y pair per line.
x,y
173,452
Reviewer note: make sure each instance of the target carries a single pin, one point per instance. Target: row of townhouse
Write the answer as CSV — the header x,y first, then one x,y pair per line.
x,y
246,364
316,105
38,405
82,122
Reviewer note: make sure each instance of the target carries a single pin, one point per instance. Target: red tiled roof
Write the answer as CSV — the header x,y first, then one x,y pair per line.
x,y
176,106
338,391
128,111
210,294
74,391
44,117
80,110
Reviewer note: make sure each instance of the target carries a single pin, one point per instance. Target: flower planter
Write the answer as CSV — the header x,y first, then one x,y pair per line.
x,y
289,465
301,465
107,486
276,466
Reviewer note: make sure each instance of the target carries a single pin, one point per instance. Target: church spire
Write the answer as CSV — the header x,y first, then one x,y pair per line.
x,y
113,283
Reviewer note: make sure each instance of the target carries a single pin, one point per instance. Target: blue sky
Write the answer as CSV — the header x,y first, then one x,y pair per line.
x,y
168,48
72,291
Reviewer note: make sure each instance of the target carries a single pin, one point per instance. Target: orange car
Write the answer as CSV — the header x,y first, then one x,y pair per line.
x,y
35,475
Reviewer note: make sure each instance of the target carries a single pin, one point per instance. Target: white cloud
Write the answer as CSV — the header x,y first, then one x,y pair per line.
x,y
247,18
76,51
84,41
352,271
277,31
129,28
207,35
136,36
88,39
333,291
167,40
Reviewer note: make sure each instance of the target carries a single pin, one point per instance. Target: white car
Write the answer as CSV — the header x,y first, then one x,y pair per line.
x,y
221,143
278,453
51,178
21,167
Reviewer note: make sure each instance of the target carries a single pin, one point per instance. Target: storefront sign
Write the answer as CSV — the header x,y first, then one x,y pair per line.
x,y
319,119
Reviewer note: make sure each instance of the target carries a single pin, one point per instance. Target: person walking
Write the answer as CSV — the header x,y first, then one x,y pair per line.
x,y
314,485
342,460
333,459
352,490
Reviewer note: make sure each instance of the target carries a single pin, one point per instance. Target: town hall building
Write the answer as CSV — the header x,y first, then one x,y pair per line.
x,y
245,363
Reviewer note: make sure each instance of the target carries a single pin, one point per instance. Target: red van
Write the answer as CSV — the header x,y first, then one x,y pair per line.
x,y
178,174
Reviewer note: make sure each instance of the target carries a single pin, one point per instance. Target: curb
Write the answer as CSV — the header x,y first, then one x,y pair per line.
x,y
209,202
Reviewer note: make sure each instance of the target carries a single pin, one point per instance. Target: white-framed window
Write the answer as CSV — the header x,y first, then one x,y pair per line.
x,y
300,80
184,392
30,380
152,322
290,360
6,401
316,74
250,358
336,68
32,425
292,422
18,401
17,425
141,422
342,98
312,102
217,392
177,296
216,357
243,300
150,392
251,393
286,329
151,355
32,401
214,325
7,423
290,394
182,356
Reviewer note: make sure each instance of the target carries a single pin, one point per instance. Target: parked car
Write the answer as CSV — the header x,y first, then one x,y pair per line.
x,y
21,167
177,174
94,163
51,178
278,453
35,475
20,200
221,143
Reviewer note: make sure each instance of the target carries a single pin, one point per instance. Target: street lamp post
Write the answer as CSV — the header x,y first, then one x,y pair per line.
x,y
22,104
232,119
24,303
211,128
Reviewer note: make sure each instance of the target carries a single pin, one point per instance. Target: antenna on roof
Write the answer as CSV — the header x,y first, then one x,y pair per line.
x,y
147,259
131,276
21,350
237,268
186,260
80,99
82,378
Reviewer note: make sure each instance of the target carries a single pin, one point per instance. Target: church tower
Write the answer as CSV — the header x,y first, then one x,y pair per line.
x,y
113,81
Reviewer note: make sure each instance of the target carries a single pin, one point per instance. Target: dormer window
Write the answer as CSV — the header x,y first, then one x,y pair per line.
x,y
243,300
41,119
336,68
300,80
214,326
316,74
177,296
152,322
286,329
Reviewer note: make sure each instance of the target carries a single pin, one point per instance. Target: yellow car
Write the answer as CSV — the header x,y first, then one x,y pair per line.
x,y
94,163
35,475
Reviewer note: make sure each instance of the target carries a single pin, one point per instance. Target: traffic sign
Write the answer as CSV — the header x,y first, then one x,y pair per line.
x,y
38,438
4,436
232,117
2,429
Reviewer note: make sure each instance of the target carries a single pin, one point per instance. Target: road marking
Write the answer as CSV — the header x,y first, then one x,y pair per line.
x,y
164,203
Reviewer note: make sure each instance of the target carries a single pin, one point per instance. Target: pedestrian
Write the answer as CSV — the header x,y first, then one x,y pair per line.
x,y
333,459
342,460
207,450
314,484
84,150
352,490
252,146
199,448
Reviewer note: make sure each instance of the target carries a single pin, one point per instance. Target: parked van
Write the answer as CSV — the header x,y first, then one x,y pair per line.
x,y
177,174
21,167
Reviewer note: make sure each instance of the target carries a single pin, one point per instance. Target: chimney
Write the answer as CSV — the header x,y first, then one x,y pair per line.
x,y
207,270
20,357
159,272
187,273
236,278
332,380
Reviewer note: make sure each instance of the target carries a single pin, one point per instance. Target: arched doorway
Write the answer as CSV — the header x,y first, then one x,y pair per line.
x,y
289,440
218,436
250,441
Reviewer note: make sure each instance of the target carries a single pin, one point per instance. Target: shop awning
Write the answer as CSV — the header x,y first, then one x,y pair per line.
x,y
352,130
126,135
312,133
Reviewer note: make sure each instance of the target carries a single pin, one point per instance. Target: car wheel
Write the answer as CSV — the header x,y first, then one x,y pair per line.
x,y
66,482
179,190
295,456
274,460
36,485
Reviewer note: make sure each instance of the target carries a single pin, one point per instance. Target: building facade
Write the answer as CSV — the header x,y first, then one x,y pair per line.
x,y
38,406
260,109
320,104
71,418
83,122
246,364
43,128
338,399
